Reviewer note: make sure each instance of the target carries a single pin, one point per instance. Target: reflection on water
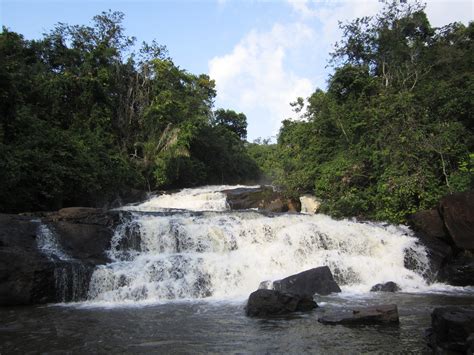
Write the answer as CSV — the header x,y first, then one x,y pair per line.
x,y
200,327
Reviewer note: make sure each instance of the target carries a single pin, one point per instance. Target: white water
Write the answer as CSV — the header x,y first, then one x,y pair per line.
x,y
48,243
207,198
225,255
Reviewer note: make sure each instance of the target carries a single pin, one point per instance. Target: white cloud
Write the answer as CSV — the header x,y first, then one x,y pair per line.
x,y
443,12
254,77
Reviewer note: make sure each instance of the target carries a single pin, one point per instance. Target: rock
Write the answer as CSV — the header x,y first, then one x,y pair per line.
x,y
459,271
381,314
438,252
262,303
29,275
263,198
26,275
266,285
452,329
429,223
309,204
294,205
457,211
318,280
386,287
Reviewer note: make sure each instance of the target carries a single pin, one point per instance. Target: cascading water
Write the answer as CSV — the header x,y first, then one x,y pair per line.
x,y
70,275
220,254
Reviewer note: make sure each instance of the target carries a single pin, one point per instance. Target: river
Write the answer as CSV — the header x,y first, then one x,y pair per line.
x,y
183,266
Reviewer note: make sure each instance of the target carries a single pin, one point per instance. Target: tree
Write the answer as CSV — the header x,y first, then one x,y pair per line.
x,y
235,122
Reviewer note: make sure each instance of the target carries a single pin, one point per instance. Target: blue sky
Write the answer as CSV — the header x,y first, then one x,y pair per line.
x,y
262,54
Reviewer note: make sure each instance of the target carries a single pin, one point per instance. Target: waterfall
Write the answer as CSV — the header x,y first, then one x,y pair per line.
x,y
219,254
71,277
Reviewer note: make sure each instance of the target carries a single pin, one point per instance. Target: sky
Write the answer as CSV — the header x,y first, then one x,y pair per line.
x,y
262,54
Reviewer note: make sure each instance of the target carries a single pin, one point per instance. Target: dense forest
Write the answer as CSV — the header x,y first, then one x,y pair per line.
x,y
84,115
393,132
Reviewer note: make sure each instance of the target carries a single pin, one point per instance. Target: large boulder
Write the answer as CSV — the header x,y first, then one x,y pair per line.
x,y
51,259
457,211
85,233
428,222
307,283
452,330
26,275
386,287
263,198
438,253
381,314
459,271
262,303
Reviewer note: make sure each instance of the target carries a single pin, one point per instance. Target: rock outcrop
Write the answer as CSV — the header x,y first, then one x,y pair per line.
x,y
263,303
448,235
457,211
381,314
26,275
452,330
263,198
34,274
307,283
385,287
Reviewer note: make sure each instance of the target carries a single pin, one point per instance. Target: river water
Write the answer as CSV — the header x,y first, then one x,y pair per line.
x,y
182,268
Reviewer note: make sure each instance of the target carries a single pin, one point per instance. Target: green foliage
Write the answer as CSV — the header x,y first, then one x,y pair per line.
x,y
394,131
83,117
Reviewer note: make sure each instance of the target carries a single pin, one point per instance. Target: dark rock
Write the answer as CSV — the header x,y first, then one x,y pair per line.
x,y
457,211
29,275
429,223
459,271
307,283
262,303
381,314
26,275
386,287
438,252
263,198
451,329
294,205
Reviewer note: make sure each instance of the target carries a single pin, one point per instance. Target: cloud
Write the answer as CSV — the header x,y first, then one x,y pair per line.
x,y
254,77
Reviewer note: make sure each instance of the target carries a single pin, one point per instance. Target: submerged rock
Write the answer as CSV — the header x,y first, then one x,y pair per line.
x,y
386,287
307,283
264,302
381,314
452,330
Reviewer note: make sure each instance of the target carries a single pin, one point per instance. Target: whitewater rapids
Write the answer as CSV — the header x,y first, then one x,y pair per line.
x,y
206,251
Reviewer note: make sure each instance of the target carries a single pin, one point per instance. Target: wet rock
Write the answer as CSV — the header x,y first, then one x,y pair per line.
x,y
438,252
386,287
307,283
457,211
381,314
459,271
262,303
452,329
263,198
26,275
429,223
85,233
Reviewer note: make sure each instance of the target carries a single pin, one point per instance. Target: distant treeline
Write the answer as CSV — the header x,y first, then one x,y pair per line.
x,y
84,116
394,130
